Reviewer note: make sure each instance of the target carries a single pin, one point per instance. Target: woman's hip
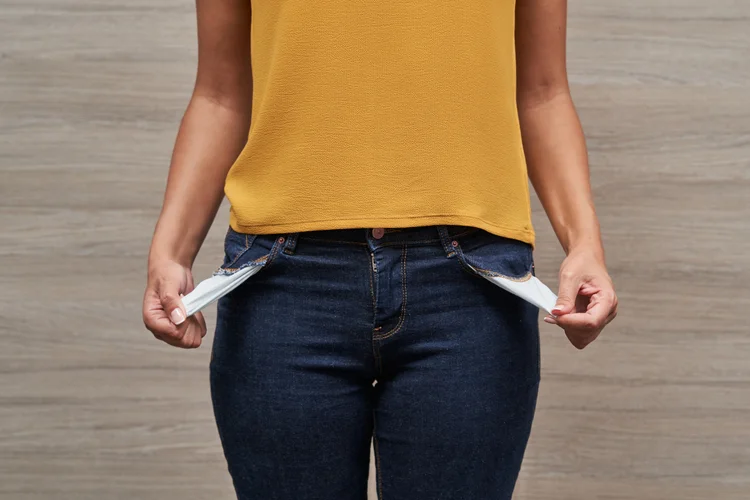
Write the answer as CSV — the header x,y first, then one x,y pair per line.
x,y
376,298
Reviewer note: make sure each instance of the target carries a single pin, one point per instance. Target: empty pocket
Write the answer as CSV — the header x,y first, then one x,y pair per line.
x,y
244,255
507,263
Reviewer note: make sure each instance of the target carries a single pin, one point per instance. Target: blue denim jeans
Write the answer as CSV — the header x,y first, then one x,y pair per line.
x,y
342,337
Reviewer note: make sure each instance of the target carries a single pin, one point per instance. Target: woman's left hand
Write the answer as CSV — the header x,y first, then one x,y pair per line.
x,y
586,300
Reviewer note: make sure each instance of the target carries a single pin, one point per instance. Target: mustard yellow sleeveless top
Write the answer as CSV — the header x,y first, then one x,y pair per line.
x,y
382,113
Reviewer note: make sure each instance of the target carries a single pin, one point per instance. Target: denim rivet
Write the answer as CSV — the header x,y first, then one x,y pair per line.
x,y
454,243
281,240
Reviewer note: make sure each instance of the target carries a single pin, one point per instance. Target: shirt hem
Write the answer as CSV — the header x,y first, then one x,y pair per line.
x,y
525,235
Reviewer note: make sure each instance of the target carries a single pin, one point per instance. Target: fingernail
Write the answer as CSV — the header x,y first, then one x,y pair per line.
x,y
177,317
557,309
550,320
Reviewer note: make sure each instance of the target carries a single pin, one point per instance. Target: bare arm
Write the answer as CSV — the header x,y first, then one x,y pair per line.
x,y
212,133
556,154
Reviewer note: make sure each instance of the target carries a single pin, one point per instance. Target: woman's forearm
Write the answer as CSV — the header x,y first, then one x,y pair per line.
x,y
212,134
210,137
557,160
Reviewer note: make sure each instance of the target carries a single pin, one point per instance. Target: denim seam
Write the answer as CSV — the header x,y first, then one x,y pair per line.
x,y
484,273
525,277
371,257
291,243
378,467
403,301
264,260
259,260
371,272
239,254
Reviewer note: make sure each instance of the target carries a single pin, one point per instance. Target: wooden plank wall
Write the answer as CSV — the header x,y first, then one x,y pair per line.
x,y
91,408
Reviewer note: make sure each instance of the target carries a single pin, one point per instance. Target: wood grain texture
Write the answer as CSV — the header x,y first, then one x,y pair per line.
x,y
91,408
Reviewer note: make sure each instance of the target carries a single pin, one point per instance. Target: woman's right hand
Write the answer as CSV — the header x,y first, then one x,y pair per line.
x,y
213,132
163,311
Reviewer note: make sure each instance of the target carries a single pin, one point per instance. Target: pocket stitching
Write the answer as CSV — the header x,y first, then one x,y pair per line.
x,y
248,244
475,270
494,274
264,260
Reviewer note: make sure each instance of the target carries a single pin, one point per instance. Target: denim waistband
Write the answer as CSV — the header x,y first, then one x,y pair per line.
x,y
431,234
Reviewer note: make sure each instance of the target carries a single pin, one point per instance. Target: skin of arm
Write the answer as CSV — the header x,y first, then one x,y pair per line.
x,y
557,160
212,133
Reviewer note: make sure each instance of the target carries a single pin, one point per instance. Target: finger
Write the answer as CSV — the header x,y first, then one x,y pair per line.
x,y
169,339
189,339
607,301
197,337
185,340
576,340
580,338
589,321
611,317
191,333
567,293
158,323
201,323
154,317
580,341
171,302
197,328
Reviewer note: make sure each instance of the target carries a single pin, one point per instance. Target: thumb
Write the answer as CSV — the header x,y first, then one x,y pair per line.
x,y
172,303
566,296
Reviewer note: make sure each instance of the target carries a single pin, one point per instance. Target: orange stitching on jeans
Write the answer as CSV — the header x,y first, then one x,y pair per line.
x,y
239,254
476,270
277,247
268,258
256,261
369,274
525,277
403,301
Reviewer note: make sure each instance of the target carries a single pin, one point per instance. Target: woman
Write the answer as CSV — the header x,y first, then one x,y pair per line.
x,y
382,177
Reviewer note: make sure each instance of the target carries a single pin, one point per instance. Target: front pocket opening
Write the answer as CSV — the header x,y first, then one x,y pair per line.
x,y
216,287
224,271
493,274
503,260
237,264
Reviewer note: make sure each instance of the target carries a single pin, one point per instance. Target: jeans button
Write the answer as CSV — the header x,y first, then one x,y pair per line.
x,y
378,233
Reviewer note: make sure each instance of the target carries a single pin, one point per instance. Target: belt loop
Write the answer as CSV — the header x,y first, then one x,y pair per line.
x,y
446,240
291,243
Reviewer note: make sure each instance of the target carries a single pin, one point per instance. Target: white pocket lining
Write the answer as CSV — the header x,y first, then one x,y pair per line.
x,y
531,290
215,287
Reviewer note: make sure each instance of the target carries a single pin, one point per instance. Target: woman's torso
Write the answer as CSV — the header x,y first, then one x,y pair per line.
x,y
382,114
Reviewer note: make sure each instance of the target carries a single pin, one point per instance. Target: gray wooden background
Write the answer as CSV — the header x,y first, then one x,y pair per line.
x,y
92,408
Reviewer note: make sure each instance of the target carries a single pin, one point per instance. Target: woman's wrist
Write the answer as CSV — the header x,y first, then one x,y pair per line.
x,y
175,249
584,237
171,246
